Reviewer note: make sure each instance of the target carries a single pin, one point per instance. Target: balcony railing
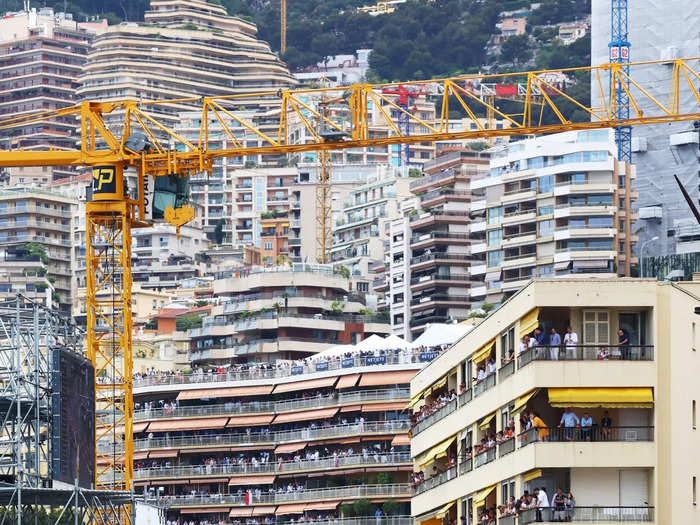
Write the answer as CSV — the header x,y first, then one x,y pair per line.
x,y
442,477
485,384
487,456
248,407
435,417
326,463
332,493
385,520
594,433
587,353
506,370
271,373
584,514
283,436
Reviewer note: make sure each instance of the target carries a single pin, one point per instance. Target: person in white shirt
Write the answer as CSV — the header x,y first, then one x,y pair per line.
x,y
570,343
542,500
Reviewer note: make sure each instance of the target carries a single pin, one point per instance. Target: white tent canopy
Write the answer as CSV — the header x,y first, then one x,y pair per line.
x,y
392,342
442,334
335,351
373,342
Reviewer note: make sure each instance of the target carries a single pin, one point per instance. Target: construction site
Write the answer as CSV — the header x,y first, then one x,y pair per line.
x,y
233,436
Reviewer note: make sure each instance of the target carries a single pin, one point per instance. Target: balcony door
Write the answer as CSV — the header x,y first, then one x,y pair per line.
x,y
596,327
634,488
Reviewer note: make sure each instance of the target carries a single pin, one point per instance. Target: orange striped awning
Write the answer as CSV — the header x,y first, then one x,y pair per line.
x,y
188,424
297,508
351,408
306,415
323,382
237,391
242,512
381,407
204,510
291,447
208,480
399,377
252,480
347,381
246,421
156,454
261,511
401,439
322,505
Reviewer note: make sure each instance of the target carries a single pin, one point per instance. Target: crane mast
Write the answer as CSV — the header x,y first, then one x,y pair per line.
x,y
619,48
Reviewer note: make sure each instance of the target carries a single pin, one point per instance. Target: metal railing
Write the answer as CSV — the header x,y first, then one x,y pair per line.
x,y
248,407
487,456
332,493
594,433
384,520
442,477
326,463
465,397
485,384
506,370
465,466
435,417
587,353
587,514
271,373
506,447
269,438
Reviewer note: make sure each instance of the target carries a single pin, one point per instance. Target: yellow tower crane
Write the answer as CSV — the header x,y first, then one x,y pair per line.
x,y
113,213
283,27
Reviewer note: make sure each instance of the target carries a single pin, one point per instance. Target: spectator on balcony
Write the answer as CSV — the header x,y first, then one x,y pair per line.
x,y
603,354
570,504
480,374
624,342
542,430
491,366
569,420
542,502
570,343
554,344
559,506
605,426
586,426
524,344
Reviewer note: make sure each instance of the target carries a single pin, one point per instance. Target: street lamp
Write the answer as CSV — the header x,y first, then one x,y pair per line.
x,y
641,252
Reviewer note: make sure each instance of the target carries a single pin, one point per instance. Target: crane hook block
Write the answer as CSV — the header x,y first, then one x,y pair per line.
x,y
179,216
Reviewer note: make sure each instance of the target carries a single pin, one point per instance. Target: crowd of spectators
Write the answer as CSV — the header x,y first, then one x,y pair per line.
x,y
428,409
560,508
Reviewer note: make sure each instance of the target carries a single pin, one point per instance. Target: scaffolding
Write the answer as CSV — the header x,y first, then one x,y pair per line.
x,y
30,333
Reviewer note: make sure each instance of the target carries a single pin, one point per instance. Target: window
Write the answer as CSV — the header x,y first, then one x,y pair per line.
x,y
534,163
363,287
268,245
695,489
163,242
495,215
495,258
600,222
621,181
596,327
622,226
545,184
546,228
495,237
694,415
578,178
545,210
622,202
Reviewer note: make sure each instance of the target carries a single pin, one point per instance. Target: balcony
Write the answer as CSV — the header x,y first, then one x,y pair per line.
x,y
324,464
425,219
418,241
586,353
441,257
333,493
343,398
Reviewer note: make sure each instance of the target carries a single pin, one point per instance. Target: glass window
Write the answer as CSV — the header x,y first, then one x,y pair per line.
x,y
546,270
577,201
546,184
545,210
595,156
578,178
575,224
494,237
495,215
621,181
495,258
268,245
572,157
534,163
600,200
600,222
546,228
600,245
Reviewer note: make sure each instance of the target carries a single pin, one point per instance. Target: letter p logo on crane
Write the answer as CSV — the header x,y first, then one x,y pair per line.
x,y
107,183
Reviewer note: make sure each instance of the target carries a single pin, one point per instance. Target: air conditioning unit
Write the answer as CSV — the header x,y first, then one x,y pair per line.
x,y
639,144
650,212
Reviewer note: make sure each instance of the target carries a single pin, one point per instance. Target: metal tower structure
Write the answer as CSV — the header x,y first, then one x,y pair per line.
x,y
619,47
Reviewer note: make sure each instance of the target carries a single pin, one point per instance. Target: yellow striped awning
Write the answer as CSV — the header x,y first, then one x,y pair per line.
x,y
480,498
442,382
444,510
521,402
484,423
483,352
533,474
615,397
529,322
438,451
416,399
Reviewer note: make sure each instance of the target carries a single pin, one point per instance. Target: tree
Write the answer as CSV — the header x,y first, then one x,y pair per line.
x,y
516,49
187,322
343,270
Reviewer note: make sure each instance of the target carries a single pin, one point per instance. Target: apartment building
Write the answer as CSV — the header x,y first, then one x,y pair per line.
x,y
186,48
426,277
36,260
612,418
287,312
305,442
361,232
552,206
41,56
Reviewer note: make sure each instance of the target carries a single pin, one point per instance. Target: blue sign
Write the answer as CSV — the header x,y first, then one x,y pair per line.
x,y
347,362
376,360
425,357
297,370
321,366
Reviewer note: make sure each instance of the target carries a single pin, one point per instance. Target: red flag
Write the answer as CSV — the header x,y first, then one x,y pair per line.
x,y
248,497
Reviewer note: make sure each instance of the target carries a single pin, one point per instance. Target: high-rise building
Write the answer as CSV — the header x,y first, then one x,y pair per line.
x,y
361,231
426,275
552,206
35,241
41,55
609,416
186,48
658,30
